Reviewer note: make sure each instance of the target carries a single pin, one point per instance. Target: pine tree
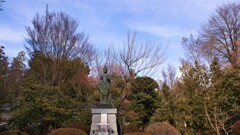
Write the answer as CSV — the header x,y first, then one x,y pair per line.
x,y
3,75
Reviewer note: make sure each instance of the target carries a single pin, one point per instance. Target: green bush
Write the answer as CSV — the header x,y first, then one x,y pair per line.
x,y
67,131
161,128
131,128
13,132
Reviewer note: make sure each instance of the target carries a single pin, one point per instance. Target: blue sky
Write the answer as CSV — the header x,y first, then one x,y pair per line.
x,y
108,21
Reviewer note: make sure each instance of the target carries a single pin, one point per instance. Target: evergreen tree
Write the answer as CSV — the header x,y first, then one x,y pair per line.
x,y
222,98
167,107
15,75
144,99
194,81
3,75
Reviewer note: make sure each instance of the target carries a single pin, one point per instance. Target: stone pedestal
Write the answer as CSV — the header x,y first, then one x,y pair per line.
x,y
104,121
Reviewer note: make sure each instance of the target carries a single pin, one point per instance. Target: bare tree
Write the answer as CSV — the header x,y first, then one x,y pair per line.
x,y
219,36
135,59
191,47
217,119
103,58
169,75
54,41
143,58
129,61
55,35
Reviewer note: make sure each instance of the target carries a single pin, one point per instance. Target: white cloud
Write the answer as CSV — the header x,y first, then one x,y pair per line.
x,y
8,34
162,31
170,18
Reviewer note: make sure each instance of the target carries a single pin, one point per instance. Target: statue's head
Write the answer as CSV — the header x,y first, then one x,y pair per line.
x,y
105,69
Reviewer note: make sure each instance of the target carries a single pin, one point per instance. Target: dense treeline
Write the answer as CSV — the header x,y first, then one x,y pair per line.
x,y
58,84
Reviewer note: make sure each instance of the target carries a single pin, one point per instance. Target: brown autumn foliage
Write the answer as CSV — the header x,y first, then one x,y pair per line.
x,y
130,129
137,133
236,128
161,128
79,125
67,131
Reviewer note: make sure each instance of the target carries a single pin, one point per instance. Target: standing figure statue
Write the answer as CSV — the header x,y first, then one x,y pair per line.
x,y
105,87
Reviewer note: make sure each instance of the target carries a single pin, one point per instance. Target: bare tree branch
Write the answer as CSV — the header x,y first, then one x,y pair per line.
x,y
221,33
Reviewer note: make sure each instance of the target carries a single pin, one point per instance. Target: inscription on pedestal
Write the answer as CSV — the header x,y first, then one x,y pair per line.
x,y
104,122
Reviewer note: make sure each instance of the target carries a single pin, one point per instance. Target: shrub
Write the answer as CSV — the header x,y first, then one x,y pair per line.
x,y
13,132
79,125
131,128
137,133
161,128
67,131
236,128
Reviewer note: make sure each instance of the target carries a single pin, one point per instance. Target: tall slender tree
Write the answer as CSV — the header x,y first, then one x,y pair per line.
x,y
3,73
14,79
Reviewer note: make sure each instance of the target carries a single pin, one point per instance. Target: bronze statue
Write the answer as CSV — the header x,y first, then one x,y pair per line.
x,y
105,87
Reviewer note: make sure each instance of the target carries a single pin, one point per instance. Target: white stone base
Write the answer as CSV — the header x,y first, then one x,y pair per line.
x,y
108,125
